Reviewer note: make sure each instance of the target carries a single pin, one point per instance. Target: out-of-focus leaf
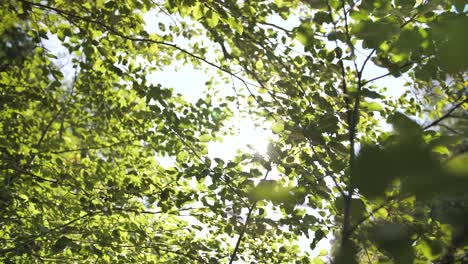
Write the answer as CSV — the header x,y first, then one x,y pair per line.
x,y
277,127
394,239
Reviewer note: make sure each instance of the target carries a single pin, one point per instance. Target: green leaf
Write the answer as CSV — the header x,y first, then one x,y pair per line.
x,y
405,126
377,167
358,208
371,106
99,161
322,17
212,18
450,30
375,32
459,166
234,24
205,138
319,235
197,12
371,94
305,34
405,4
277,127
395,239
61,244
271,190
259,65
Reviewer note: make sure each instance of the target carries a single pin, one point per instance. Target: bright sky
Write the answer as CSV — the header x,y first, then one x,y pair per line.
x,y
191,84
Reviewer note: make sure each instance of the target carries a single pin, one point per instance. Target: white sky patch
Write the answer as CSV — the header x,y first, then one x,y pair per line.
x,y
190,83
248,136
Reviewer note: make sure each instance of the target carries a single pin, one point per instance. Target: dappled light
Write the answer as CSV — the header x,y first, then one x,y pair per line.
x,y
272,131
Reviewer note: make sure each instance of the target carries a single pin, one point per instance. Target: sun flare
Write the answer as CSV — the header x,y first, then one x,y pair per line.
x,y
247,136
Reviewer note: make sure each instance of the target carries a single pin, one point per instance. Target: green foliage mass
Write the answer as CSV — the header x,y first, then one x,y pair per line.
x,y
81,140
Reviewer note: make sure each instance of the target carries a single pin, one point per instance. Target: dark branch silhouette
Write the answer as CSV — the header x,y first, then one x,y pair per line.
x,y
244,228
446,115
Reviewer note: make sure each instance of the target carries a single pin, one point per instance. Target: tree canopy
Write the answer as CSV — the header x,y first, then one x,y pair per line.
x,y
382,177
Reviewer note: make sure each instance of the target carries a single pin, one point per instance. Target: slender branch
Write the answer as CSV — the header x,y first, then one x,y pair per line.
x,y
136,211
450,129
340,189
287,31
27,240
459,116
44,133
365,218
241,235
376,78
136,39
446,115
366,60
94,148
374,50
386,74
278,59
256,99
89,214
176,133
348,36
244,228
25,172
365,249
343,71
353,120
350,118
37,146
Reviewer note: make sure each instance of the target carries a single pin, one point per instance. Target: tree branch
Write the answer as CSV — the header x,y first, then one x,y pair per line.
x,y
27,240
348,37
340,189
244,228
177,134
136,39
386,74
241,235
374,50
287,31
365,218
365,61
446,115
136,211
94,148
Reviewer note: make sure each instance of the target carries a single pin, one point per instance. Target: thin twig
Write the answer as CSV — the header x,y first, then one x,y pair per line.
x,y
365,218
340,189
366,60
244,228
194,152
438,120
27,240
374,50
136,39
348,37
287,31
450,129
93,148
